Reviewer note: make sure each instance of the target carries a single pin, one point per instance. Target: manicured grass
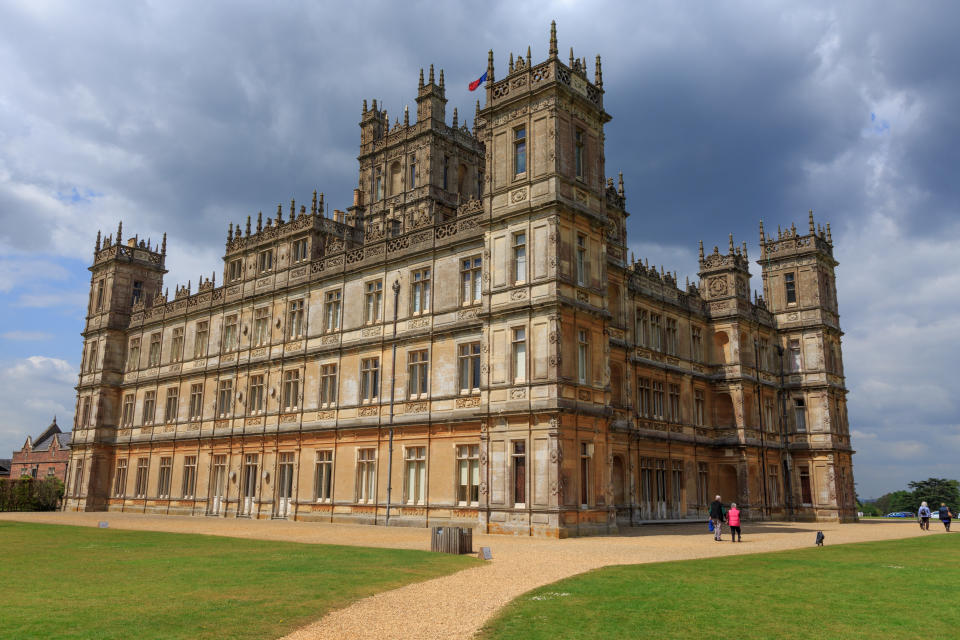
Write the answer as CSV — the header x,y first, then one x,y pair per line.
x,y
80,582
892,589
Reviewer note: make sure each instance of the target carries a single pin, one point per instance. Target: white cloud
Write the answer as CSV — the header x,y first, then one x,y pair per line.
x,y
32,391
26,335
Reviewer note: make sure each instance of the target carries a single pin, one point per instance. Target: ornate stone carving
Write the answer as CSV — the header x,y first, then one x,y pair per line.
x,y
518,195
518,294
417,407
518,393
470,402
366,412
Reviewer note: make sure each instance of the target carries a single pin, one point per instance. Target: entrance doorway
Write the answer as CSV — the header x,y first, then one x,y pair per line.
x,y
248,489
284,485
218,485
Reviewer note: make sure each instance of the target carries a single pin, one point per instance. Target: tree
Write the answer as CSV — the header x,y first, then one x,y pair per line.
x,y
934,491
896,501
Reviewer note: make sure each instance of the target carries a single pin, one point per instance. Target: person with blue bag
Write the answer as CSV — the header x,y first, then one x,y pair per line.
x,y
716,517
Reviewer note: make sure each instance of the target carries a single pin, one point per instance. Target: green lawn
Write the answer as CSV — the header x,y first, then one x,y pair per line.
x,y
80,582
896,589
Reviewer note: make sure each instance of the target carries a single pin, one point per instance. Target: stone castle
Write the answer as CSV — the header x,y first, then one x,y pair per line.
x,y
467,344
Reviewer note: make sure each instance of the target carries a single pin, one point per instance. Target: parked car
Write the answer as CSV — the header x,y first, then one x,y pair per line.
x,y
901,514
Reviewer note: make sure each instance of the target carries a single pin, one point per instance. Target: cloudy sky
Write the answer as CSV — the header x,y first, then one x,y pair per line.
x,y
182,117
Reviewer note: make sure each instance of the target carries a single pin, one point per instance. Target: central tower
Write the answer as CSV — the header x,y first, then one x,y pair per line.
x,y
549,218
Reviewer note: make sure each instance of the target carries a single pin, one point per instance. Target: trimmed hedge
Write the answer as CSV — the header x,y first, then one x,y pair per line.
x,y
27,494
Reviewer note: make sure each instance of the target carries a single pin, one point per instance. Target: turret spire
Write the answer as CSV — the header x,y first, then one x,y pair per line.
x,y
455,120
620,191
553,39
529,59
762,236
431,74
490,66
731,244
701,250
163,247
120,232
96,246
598,74
313,205
259,221
813,228
420,83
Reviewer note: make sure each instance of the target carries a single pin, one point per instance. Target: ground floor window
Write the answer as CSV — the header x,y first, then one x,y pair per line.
x,y
78,478
806,495
163,480
415,463
366,474
140,486
189,476
676,485
468,473
519,455
703,488
773,484
120,479
323,476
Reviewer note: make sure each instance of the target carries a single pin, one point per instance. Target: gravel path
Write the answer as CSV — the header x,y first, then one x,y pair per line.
x,y
456,606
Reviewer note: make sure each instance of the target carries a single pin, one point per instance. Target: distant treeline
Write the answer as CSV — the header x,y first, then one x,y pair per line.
x,y
933,491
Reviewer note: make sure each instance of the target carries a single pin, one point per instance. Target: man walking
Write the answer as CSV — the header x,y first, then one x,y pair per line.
x,y
716,516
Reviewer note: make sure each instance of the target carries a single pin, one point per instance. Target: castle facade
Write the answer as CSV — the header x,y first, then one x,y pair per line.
x,y
468,344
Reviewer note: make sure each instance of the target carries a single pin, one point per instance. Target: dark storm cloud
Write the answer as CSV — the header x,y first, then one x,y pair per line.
x,y
185,117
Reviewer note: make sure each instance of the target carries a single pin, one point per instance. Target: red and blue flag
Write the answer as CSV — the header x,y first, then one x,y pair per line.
x,y
476,83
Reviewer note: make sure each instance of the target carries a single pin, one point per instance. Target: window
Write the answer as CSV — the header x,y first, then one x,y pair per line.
x,y
133,355
328,385
230,334
140,486
657,400
656,332
518,454
520,150
153,356
698,407
295,319
265,261
378,184
470,270
773,484
176,345
420,300
519,354
413,172
696,344
468,474
299,251
643,328
479,183
415,473
189,488
366,474
99,304
582,260
163,478
234,270
673,402
671,334
800,411
763,354
225,398
806,495
417,373
196,401
257,392
703,488
369,379
126,418
323,476
583,354
676,484
137,291
796,363
520,257
261,326
331,311
446,172
200,342
585,449
469,357
644,402
578,152
291,390
85,413
170,409
120,479
768,420
149,407
790,287
374,302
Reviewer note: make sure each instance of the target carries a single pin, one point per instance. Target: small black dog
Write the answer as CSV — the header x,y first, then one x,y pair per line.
x,y
819,538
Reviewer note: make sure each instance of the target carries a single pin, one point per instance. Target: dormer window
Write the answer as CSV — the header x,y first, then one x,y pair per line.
x,y
137,291
235,270
300,250
790,288
265,261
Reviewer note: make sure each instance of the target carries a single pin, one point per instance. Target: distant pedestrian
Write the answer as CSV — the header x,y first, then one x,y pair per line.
x,y
716,515
733,519
924,514
945,516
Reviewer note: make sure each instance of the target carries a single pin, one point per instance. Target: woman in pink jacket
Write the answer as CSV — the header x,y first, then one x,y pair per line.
x,y
733,520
